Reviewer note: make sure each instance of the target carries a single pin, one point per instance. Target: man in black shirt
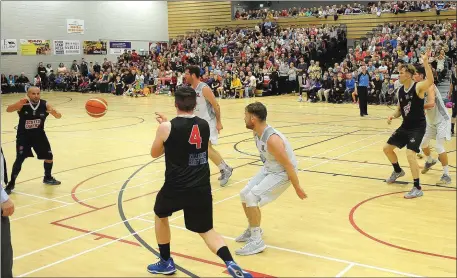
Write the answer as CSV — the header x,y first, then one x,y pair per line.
x,y
32,112
412,130
184,141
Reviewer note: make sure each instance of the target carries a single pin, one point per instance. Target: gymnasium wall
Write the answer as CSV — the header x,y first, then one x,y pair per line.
x,y
137,22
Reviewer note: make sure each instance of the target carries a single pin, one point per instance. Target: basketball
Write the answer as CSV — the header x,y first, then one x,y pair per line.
x,y
96,107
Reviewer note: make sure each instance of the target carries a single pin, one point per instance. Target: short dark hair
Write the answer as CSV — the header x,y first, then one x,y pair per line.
x,y
194,70
185,98
421,70
257,109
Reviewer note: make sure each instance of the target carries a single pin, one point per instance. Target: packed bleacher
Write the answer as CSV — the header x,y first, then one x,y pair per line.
x,y
378,8
266,60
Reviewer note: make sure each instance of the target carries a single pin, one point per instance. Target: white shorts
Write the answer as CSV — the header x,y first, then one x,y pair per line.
x,y
267,187
441,130
213,134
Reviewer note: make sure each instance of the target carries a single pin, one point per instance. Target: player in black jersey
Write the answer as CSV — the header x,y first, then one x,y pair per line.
x,y
32,112
184,140
410,133
453,97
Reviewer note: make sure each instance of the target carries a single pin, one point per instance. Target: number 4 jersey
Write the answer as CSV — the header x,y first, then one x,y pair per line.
x,y
186,154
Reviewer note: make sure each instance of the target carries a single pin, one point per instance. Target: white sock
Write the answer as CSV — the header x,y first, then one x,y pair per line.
x,y
446,170
255,233
429,159
223,166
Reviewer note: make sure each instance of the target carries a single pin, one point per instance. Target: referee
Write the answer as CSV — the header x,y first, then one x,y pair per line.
x,y
361,89
7,210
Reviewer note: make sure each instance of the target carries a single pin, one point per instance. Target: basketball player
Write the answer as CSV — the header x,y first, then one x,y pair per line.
x,y
438,128
412,130
279,170
208,109
185,141
32,112
453,97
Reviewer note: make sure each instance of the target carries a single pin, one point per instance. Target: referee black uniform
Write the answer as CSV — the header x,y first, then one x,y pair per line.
x,y
454,98
6,247
363,81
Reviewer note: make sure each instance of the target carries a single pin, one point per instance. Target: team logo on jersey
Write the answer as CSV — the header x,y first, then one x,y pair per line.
x,y
412,140
31,124
407,108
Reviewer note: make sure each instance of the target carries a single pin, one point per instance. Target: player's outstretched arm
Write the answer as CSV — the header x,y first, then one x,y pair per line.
x,y
277,149
424,85
209,95
16,106
162,133
430,98
51,110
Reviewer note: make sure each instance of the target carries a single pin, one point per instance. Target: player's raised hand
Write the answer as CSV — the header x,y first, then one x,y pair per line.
x,y
301,194
160,117
425,56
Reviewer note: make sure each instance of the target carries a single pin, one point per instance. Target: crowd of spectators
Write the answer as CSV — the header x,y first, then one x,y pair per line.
x,y
237,63
347,9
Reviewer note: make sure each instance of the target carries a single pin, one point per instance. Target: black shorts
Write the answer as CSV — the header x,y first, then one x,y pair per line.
x,y
197,205
39,142
411,138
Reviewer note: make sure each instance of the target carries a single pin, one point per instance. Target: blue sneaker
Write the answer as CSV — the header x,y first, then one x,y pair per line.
x,y
162,267
236,271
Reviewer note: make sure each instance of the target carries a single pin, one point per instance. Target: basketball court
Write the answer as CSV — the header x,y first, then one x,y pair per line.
x,y
99,221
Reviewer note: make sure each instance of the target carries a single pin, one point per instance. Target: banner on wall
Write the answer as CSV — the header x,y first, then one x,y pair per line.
x,y
75,26
95,47
9,47
35,47
67,47
119,47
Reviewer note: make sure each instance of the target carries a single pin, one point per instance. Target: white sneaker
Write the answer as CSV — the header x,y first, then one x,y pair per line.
x,y
253,246
246,235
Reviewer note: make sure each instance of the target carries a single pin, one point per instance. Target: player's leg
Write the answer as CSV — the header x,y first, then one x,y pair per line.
x,y
443,134
425,146
268,190
23,150
413,147
397,140
198,217
163,208
244,192
43,150
215,156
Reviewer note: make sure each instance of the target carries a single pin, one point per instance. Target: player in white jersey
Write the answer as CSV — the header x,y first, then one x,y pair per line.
x,y
438,128
278,171
207,108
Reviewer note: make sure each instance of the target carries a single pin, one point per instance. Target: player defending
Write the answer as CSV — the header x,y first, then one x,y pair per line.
x,y
438,128
412,130
187,187
208,109
32,112
279,170
453,97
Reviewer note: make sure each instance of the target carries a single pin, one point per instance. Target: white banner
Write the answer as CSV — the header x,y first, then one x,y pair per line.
x,y
75,26
67,47
9,47
118,51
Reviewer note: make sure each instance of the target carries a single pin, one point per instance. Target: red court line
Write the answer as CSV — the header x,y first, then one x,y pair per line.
x,y
352,221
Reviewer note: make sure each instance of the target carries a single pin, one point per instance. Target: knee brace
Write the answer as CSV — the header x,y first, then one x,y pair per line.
x,y
251,200
440,146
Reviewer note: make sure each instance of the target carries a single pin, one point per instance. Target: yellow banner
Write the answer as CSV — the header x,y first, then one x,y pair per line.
x,y
95,47
35,47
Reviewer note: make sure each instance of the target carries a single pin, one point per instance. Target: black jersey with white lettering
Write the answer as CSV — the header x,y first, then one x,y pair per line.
x,y
412,108
186,154
31,120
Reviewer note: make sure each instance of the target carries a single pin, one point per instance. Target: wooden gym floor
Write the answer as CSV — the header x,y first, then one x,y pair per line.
x,y
99,221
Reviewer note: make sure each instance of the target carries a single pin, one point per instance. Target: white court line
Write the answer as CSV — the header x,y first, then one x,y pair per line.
x,y
346,269
350,263
111,242
40,197
139,177
117,223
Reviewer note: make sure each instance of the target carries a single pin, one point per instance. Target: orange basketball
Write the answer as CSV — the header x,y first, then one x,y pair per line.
x,y
96,107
